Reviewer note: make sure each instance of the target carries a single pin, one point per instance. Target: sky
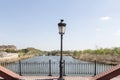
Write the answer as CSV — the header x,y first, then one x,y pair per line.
x,y
91,24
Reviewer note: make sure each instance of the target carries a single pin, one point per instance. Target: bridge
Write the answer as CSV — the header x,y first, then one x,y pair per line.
x,y
107,75
8,75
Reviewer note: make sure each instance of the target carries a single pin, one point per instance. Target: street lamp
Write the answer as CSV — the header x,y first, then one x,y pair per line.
x,y
61,27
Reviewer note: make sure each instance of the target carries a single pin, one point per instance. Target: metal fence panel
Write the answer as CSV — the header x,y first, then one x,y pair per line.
x,y
52,68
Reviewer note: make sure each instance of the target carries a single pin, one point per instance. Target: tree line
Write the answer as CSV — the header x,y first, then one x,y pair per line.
x,y
101,55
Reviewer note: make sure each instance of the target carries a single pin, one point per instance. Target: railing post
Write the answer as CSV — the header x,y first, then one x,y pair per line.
x,y
50,68
20,73
95,67
64,68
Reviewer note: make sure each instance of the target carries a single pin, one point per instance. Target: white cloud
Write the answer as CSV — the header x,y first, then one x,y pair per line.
x,y
117,33
105,18
98,29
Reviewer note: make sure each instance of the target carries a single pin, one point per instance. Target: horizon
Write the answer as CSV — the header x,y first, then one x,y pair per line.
x,y
90,24
97,48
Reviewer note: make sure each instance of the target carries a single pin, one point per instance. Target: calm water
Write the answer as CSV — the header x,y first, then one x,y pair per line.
x,y
52,58
40,66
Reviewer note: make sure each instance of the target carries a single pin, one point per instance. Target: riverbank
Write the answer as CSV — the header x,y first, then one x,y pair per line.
x,y
11,59
105,59
99,58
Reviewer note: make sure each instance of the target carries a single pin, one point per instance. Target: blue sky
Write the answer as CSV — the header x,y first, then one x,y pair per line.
x,y
91,24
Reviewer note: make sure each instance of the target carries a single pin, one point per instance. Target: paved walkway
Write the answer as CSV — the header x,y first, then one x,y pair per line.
x,y
56,77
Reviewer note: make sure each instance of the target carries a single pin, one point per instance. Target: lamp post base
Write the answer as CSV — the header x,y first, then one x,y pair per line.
x,y
61,79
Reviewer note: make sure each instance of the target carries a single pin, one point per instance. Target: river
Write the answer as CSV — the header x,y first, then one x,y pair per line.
x,y
40,65
52,58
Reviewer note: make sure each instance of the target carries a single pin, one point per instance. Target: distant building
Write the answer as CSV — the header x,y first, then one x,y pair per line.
x,y
6,47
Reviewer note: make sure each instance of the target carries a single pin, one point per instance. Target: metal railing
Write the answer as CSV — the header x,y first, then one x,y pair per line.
x,y
52,68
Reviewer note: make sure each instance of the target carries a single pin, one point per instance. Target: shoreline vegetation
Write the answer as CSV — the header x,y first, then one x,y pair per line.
x,y
102,55
105,56
22,54
104,59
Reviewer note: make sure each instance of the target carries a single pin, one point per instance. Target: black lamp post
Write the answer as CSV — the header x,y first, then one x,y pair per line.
x,y
61,27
